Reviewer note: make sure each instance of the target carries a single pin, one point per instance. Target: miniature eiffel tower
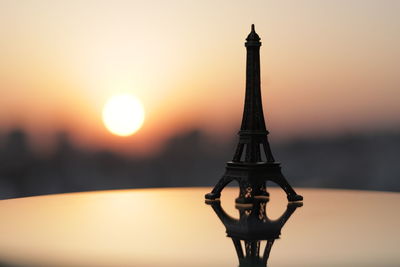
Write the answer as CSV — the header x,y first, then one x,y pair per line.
x,y
248,167
252,229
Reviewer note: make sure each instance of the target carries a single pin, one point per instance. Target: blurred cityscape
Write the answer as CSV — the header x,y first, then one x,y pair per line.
x,y
368,161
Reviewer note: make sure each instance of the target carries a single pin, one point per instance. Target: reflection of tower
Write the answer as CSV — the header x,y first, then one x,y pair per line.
x,y
253,163
253,227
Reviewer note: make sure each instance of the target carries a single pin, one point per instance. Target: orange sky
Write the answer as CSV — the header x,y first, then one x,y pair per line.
x,y
327,67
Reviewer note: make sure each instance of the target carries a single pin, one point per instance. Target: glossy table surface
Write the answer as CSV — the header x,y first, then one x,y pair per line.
x,y
174,227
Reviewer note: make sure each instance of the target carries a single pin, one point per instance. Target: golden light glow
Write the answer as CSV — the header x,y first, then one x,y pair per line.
x,y
123,115
56,63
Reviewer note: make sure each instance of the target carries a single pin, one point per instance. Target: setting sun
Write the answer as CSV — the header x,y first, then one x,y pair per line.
x,y
123,115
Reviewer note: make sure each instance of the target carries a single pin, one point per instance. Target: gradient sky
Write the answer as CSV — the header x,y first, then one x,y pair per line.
x,y
327,66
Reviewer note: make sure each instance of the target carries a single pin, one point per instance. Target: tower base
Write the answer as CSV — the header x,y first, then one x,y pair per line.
x,y
252,178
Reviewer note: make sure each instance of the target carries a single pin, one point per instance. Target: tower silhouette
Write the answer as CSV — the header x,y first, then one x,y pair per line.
x,y
253,163
253,228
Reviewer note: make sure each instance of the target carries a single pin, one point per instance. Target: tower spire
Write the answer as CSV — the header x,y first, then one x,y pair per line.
x,y
253,117
253,36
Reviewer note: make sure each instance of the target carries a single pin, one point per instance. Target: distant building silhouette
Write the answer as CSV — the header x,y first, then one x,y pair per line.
x,y
17,161
193,159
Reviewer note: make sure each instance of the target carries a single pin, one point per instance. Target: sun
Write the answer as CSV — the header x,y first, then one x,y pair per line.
x,y
123,115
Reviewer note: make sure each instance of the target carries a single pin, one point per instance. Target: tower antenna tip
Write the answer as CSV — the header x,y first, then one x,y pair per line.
x,y
252,28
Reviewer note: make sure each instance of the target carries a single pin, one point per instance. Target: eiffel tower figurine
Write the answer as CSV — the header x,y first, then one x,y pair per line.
x,y
248,167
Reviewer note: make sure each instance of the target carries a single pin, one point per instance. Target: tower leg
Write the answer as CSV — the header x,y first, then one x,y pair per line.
x,y
216,192
249,191
283,183
238,247
267,250
261,191
246,194
268,152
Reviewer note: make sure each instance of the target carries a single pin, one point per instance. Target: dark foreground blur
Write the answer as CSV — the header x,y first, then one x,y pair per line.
x,y
191,159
